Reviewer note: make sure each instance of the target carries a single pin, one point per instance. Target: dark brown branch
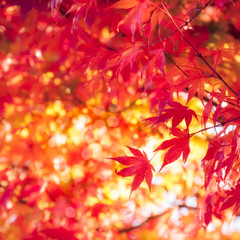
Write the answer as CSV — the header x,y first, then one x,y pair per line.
x,y
142,224
200,55
186,89
151,218
218,125
214,71
176,65
185,24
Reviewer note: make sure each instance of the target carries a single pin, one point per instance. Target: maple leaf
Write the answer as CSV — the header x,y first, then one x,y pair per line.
x,y
156,18
58,233
134,18
157,63
205,213
230,113
125,4
177,146
208,162
139,166
195,84
232,199
177,112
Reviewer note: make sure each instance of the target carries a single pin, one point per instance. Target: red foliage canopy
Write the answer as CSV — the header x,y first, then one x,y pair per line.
x,y
81,79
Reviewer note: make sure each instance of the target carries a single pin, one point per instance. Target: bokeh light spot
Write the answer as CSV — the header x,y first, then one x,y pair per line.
x,y
99,110
112,121
70,212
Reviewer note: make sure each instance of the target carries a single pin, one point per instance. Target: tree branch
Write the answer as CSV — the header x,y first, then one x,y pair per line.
x,y
218,125
176,65
153,217
199,54
143,223
185,24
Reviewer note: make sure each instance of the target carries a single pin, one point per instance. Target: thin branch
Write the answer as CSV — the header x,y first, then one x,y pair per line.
x,y
199,54
186,89
226,101
153,217
185,24
142,224
176,65
218,125
216,73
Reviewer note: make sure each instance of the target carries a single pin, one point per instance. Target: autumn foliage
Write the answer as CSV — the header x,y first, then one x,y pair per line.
x,y
119,119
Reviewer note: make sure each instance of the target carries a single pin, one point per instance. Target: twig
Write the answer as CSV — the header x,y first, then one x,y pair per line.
x,y
185,24
199,54
141,224
218,125
153,217
176,65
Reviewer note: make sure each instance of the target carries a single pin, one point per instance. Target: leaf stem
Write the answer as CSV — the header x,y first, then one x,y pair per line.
x,y
153,156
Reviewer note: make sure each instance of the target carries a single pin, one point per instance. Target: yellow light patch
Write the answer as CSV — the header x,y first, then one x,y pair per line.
x,y
135,136
139,102
77,172
62,113
57,81
38,136
74,136
106,34
2,167
114,194
28,119
212,45
49,74
237,58
42,205
53,126
57,106
226,45
50,111
134,121
46,80
24,133
47,77
114,101
109,73
85,110
65,177
89,74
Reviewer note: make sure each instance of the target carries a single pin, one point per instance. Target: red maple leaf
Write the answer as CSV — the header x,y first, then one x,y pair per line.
x,y
177,112
133,19
157,63
232,199
139,166
177,146
209,161
205,213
